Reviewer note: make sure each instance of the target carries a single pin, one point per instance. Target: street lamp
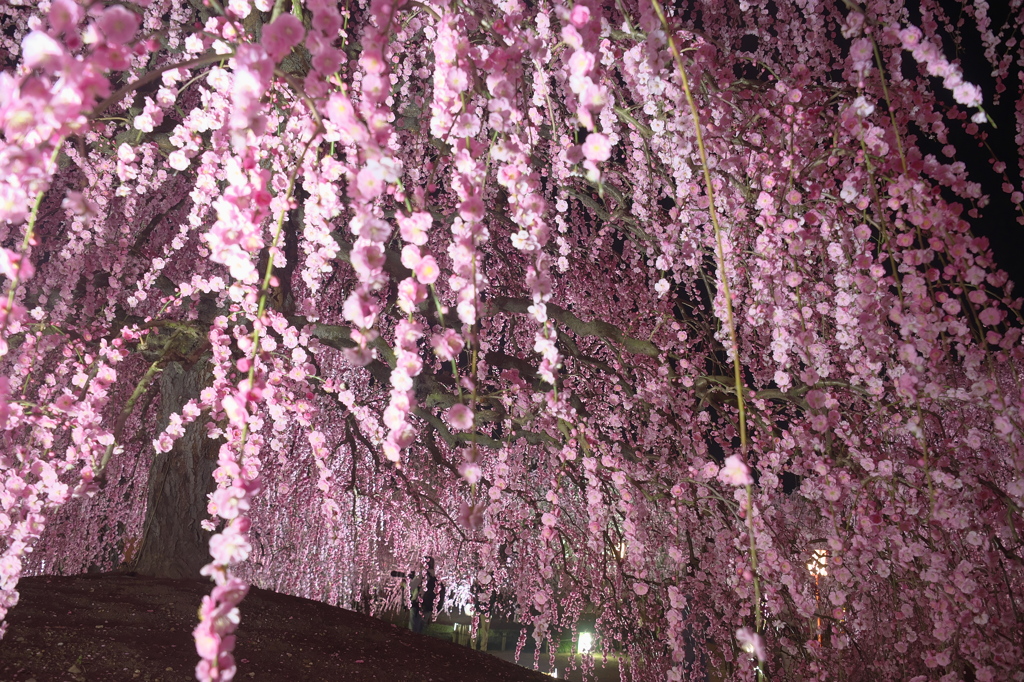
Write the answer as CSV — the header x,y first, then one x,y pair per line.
x,y
818,565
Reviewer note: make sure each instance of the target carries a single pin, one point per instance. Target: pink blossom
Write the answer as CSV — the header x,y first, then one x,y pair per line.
x,y
370,181
125,153
13,264
579,15
411,255
403,436
410,294
178,160
597,147
472,209
572,37
581,62
819,422
118,25
850,337
208,640
593,96
991,316
471,516
447,345
232,592
414,228
282,35
372,229
229,547
407,333
372,59
341,113
735,472
751,642
235,410
861,51
227,503
427,271
105,375
10,566
410,363
911,37
164,443
816,399
239,8
360,309
967,94
151,116
64,15
471,472
367,257
394,416
466,125
41,51
459,417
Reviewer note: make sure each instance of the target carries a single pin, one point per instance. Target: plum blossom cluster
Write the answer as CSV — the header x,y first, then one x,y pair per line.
x,y
408,365
291,185
238,481
528,213
31,472
46,101
469,231
581,34
936,64
451,79
369,128
415,231
235,237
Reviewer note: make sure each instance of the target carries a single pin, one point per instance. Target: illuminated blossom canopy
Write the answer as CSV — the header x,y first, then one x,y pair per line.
x,y
668,316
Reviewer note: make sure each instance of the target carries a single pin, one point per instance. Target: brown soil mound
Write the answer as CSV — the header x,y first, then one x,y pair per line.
x,y
95,628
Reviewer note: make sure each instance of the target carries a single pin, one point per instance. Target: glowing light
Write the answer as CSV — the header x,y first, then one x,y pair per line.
x,y
585,643
819,562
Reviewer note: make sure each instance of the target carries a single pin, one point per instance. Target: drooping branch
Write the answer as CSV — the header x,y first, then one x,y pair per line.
x,y
119,94
594,328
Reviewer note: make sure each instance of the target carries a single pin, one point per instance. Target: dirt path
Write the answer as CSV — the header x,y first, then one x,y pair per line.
x,y
96,628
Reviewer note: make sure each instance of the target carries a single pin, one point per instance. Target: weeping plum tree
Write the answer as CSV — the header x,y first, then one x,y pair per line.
x,y
671,314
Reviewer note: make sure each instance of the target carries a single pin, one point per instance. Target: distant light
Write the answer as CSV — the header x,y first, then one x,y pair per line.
x,y
819,562
468,609
553,673
585,643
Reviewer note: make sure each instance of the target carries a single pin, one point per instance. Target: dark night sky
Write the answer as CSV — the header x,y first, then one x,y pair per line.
x,y
998,221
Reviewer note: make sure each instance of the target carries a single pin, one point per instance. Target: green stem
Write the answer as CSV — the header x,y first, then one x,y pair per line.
x,y
140,388
730,320
30,232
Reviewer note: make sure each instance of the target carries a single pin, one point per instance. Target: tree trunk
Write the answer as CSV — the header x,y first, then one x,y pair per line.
x,y
174,545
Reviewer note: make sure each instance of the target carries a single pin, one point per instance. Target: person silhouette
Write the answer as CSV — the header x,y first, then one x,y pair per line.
x,y
423,595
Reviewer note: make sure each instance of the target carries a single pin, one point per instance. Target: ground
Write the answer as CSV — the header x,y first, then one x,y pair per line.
x,y
95,628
